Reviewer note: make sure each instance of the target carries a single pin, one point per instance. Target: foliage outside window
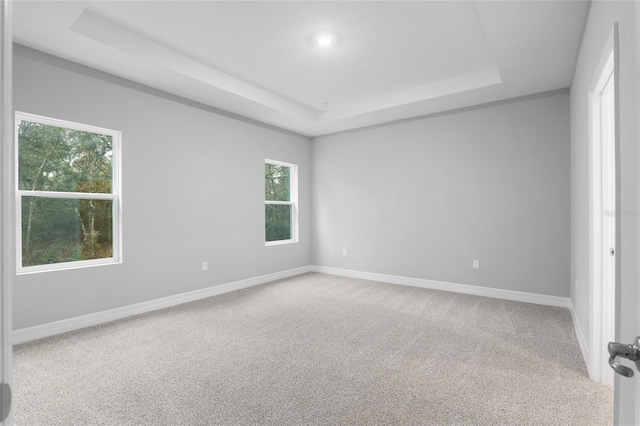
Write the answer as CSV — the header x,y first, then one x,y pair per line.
x,y
68,211
281,198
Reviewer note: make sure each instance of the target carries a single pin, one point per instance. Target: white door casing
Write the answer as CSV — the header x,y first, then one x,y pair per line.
x,y
603,204
6,195
637,289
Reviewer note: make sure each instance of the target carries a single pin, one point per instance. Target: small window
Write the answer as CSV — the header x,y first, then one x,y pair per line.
x,y
280,202
68,187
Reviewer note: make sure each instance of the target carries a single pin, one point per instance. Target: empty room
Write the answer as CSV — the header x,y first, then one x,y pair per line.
x,y
319,212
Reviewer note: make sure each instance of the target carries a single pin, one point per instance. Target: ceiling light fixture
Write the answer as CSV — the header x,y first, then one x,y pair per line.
x,y
324,40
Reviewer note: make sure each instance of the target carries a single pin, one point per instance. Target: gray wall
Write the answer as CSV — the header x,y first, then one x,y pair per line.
x,y
193,188
602,16
418,199
424,198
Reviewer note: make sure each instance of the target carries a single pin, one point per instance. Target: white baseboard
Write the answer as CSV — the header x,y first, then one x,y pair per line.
x,y
518,296
496,293
57,327
584,347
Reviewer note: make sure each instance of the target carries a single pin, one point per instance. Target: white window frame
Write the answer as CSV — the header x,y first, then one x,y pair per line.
x,y
115,196
293,202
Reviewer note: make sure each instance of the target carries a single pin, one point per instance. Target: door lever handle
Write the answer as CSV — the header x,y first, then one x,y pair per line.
x,y
631,352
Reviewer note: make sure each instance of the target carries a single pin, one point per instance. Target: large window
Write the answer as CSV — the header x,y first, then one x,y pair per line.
x,y
280,202
68,187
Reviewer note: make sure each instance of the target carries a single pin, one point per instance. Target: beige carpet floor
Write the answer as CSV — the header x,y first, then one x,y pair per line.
x,y
316,350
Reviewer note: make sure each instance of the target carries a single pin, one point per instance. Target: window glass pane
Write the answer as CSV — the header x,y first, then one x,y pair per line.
x,y
58,230
277,222
276,182
53,158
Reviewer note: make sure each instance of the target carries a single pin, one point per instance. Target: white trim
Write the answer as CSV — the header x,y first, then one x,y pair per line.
x,y
56,122
279,203
280,242
496,293
597,362
57,327
67,195
115,196
279,163
582,341
7,197
293,202
66,266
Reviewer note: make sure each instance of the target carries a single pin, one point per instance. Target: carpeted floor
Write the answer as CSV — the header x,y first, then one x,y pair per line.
x,y
316,349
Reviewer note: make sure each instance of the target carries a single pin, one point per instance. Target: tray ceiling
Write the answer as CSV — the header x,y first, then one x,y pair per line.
x,y
387,60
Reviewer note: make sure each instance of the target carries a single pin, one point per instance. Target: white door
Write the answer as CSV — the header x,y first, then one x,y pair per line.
x,y
637,289
627,389
603,214
6,190
638,334
609,214
627,408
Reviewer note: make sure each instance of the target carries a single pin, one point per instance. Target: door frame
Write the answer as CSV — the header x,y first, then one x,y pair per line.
x,y
598,367
7,199
637,283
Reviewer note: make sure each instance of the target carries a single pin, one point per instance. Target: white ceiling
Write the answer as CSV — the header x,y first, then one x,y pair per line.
x,y
391,60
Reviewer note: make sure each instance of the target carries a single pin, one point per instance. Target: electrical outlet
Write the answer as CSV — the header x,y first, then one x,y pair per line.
x,y
476,264
344,252
205,266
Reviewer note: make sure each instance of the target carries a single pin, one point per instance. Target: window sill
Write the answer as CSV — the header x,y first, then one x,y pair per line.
x,y
279,243
65,266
